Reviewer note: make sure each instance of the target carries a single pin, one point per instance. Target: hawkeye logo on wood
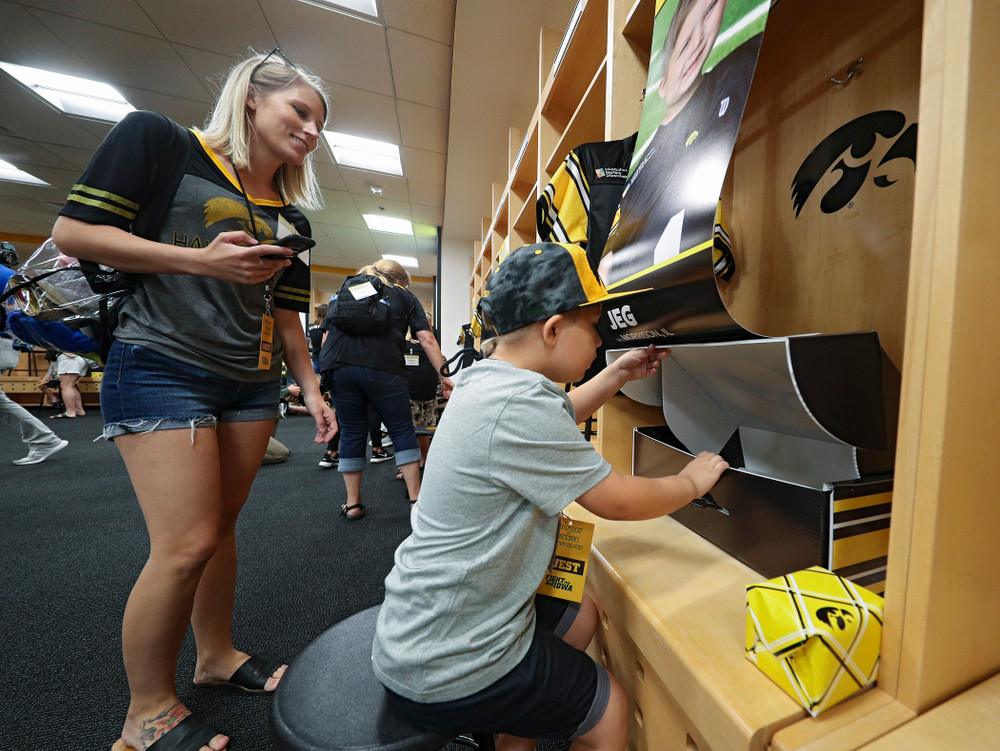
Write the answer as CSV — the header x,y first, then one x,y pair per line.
x,y
851,150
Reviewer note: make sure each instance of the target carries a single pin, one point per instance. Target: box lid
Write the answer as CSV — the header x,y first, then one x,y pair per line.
x,y
809,409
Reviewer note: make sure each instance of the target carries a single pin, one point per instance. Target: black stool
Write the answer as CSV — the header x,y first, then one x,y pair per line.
x,y
330,700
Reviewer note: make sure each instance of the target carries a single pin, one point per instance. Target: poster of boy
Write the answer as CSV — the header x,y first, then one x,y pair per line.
x,y
701,64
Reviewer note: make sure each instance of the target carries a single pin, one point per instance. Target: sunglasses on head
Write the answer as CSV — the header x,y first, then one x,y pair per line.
x,y
276,52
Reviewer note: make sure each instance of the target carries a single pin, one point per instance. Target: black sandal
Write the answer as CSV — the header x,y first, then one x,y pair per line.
x,y
189,733
251,676
352,517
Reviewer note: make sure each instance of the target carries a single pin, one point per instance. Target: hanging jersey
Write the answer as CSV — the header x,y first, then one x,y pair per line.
x,y
579,204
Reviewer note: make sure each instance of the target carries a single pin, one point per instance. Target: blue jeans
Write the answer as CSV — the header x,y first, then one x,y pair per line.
x,y
143,390
354,388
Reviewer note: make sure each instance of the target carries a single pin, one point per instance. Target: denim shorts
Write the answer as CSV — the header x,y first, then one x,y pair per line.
x,y
143,390
555,692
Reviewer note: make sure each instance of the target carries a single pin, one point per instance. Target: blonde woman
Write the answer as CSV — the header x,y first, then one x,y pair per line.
x,y
190,389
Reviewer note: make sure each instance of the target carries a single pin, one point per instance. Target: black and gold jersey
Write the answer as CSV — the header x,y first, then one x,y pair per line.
x,y
579,203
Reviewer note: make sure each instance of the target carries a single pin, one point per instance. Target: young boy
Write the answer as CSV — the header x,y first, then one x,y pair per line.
x,y
463,643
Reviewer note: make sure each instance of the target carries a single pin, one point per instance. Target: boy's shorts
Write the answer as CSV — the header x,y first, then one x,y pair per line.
x,y
555,692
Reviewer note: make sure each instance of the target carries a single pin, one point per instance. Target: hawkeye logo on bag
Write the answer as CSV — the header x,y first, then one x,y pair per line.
x,y
361,307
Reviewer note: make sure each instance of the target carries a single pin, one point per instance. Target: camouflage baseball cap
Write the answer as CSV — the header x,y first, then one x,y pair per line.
x,y
538,281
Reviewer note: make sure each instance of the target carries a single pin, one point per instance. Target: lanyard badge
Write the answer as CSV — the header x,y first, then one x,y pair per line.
x,y
567,570
267,319
266,331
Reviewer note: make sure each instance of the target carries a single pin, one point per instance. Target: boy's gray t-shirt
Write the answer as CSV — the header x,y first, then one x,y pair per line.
x,y
506,458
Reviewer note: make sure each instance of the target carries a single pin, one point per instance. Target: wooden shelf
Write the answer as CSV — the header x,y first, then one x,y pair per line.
x,y
525,172
638,28
567,82
585,124
523,228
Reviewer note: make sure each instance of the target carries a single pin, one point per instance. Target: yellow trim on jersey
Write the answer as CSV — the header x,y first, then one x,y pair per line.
x,y
103,200
232,180
103,205
292,293
592,288
105,194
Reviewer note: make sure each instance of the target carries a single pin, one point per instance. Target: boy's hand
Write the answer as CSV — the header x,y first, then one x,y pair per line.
x,y
639,363
704,471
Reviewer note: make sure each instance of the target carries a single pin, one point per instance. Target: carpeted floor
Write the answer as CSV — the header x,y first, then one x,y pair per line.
x,y
73,542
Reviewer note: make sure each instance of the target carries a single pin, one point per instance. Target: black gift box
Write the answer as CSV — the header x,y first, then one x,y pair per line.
x,y
807,424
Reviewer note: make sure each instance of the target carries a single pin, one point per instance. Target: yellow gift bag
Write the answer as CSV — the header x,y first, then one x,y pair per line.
x,y
816,635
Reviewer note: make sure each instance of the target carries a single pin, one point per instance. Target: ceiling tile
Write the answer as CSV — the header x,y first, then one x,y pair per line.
x,y
26,41
338,48
373,205
433,19
123,57
421,71
357,112
340,209
393,188
351,240
26,116
329,175
423,127
431,215
226,26
209,67
424,166
400,245
127,15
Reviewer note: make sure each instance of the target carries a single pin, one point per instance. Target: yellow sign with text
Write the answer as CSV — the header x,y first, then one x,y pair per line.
x,y
567,571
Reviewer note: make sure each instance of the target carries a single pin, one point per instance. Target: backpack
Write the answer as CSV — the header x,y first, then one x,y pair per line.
x,y
361,307
78,306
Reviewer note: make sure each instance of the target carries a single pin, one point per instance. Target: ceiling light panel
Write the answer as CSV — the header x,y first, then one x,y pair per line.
x,y
10,173
367,9
79,97
407,261
378,223
364,153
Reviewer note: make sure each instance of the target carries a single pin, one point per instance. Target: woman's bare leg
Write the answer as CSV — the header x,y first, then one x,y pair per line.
x,y
176,480
71,394
241,449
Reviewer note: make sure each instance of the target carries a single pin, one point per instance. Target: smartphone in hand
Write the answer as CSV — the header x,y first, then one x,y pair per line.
x,y
297,243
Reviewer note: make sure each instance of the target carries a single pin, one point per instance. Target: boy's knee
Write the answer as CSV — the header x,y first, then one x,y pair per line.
x,y
611,731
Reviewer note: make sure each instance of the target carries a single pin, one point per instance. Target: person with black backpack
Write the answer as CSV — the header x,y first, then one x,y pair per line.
x,y
362,360
191,382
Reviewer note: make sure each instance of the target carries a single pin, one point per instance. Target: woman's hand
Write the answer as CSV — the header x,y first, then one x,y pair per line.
x,y
326,420
237,257
639,363
447,386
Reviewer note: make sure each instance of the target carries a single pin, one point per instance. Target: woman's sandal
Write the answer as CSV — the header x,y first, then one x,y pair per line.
x,y
190,734
252,676
352,517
